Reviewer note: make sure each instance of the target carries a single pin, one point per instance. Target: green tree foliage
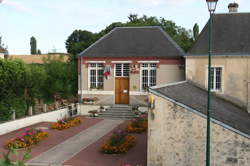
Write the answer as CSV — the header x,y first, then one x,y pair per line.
x,y
59,79
12,74
80,40
76,44
21,84
33,46
39,51
196,31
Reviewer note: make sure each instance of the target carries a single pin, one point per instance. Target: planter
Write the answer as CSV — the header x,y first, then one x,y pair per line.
x,y
66,123
29,138
123,147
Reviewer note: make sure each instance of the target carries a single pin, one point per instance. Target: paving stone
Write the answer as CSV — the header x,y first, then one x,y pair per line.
x,y
69,148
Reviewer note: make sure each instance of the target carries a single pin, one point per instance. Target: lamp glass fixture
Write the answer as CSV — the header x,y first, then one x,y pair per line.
x,y
211,4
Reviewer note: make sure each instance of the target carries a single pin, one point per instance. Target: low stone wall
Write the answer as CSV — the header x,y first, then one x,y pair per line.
x,y
84,108
31,120
178,137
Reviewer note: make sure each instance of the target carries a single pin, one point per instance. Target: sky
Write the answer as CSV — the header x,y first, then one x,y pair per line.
x,y
52,21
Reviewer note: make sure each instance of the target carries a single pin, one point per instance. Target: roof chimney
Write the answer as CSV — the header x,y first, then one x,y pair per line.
x,y
233,7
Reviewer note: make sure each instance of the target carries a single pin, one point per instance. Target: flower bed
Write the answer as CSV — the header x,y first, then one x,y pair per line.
x,y
120,142
66,123
29,137
138,125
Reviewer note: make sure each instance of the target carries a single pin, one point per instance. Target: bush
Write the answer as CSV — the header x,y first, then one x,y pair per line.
x,y
120,142
28,138
7,158
138,125
66,123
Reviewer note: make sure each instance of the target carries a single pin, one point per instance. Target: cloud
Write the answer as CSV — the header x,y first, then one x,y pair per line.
x,y
149,2
161,2
16,5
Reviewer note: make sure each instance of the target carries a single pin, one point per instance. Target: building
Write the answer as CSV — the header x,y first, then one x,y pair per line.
x,y
177,120
3,53
119,68
40,58
230,60
177,128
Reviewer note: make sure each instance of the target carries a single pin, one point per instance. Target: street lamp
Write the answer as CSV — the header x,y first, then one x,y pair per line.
x,y
211,8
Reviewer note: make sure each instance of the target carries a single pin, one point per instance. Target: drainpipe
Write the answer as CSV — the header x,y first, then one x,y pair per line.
x,y
81,78
248,87
248,97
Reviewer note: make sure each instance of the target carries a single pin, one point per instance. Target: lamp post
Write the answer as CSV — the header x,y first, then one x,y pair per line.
x,y
211,8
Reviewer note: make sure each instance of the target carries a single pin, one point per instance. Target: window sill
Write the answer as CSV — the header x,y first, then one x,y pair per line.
x,y
95,89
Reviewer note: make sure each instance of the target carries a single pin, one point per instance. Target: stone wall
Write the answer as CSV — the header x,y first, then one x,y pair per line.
x,y
177,137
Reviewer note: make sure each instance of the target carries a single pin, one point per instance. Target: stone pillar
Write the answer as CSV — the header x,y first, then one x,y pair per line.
x,y
30,112
13,115
56,104
44,107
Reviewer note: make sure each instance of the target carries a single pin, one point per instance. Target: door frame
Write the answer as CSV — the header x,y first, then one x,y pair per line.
x,y
121,62
128,90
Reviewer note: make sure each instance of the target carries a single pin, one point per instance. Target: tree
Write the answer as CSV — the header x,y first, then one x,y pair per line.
x,y
33,47
196,31
2,45
12,74
79,40
39,51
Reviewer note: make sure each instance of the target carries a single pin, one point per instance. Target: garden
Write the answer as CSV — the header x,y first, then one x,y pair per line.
x,y
122,140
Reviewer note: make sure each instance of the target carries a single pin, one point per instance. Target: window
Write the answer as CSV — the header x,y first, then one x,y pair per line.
x,y
122,70
148,75
216,78
96,75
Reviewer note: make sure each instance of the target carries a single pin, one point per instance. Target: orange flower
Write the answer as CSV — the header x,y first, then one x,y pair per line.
x,y
128,143
61,125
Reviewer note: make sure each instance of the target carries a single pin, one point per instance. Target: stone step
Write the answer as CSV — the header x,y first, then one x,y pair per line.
x,y
116,117
117,113
120,106
120,111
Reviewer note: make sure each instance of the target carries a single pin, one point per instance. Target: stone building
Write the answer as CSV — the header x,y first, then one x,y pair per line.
x,y
230,60
177,128
40,58
177,124
3,53
119,68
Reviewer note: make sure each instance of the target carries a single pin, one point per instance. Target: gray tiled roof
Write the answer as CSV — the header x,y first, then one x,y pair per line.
x,y
231,36
149,41
196,98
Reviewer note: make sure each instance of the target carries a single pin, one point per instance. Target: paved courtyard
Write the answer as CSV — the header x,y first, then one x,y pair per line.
x,y
80,145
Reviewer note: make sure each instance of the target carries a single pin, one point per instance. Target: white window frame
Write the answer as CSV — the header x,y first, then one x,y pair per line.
x,y
96,68
122,69
149,68
221,90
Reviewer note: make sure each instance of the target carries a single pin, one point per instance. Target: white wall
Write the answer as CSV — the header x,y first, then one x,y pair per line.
x,y
21,123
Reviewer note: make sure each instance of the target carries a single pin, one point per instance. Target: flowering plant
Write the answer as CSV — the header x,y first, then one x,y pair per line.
x,y
28,138
120,142
66,123
138,125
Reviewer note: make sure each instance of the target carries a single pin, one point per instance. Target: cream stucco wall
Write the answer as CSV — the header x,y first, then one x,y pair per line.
x,y
177,137
169,74
165,74
235,76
